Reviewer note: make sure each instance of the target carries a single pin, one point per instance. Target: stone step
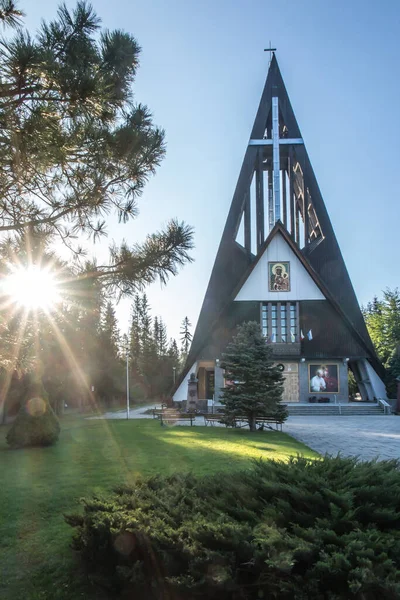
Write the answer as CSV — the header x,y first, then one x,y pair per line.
x,y
335,410
312,414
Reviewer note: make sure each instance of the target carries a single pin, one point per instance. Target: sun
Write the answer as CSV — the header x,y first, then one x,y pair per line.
x,y
32,287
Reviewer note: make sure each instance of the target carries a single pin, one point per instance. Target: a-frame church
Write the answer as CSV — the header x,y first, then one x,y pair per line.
x,y
279,264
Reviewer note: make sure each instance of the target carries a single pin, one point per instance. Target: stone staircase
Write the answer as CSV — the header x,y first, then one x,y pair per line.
x,y
324,410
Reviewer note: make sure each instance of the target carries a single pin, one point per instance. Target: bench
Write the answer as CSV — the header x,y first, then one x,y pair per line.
x,y
212,419
169,416
266,420
261,421
157,412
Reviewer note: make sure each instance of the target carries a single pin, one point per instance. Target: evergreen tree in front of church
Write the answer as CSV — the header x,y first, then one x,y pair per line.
x,y
254,385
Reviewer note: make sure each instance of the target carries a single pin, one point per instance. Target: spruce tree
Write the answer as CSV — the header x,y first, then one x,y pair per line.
x,y
110,331
110,379
173,350
135,335
148,363
186,336
393,373
382,317
162,338
156,333
254,384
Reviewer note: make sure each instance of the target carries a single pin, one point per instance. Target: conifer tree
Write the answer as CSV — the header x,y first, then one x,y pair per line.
x,y
254,384
135,335
10,15
147,341
175,362
173,350
148,364
186,336
110,331
382,317
162,342
156,333
75,147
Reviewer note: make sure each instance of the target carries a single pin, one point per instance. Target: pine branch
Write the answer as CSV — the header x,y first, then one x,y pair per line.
x,y
10,16
159,257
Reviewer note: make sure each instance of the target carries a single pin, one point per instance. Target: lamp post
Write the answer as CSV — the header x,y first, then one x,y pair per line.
x,y
213,398
127,383
126,348
174,374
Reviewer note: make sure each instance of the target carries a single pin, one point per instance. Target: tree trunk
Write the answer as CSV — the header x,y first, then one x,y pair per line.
x,y
252,423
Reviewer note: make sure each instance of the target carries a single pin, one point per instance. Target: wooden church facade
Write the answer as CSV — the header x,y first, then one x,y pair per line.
x,y
279,264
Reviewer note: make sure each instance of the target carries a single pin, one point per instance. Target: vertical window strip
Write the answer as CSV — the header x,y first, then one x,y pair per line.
x,y
264,317
274,323
293,322
283,323
286,318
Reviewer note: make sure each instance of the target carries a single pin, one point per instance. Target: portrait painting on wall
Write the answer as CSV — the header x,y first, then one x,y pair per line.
x,y
323,378
279,276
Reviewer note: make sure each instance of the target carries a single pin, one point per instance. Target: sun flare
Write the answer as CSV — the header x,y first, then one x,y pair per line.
x,y
32,287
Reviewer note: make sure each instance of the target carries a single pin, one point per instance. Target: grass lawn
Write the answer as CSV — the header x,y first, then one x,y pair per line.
x,y
40,484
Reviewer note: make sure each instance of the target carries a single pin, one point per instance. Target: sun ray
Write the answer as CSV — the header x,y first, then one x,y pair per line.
x,y
69,355
20,333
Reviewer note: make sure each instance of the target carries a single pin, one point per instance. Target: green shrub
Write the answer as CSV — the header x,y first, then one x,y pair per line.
x,y
35,424
326,530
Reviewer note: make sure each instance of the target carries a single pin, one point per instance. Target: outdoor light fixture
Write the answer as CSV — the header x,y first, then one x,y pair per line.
x,y
302,360
126,348
217,362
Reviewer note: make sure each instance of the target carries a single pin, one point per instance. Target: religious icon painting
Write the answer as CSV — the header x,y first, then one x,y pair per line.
x,y
323,378
279,276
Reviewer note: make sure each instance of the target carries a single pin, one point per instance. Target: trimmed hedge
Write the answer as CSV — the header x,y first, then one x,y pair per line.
x,y
327,529
36,423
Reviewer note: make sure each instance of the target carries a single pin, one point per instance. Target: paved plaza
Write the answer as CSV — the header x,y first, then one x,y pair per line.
x,y
367,437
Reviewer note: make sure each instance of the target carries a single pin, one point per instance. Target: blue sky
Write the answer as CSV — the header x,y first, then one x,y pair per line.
x,y
202,72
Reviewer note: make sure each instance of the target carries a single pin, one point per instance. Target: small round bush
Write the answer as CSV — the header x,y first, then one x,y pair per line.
x,y
36,423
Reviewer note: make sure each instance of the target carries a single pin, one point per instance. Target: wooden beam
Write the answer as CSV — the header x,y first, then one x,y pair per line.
x,y
297,225
306,217
305,195
282,142
260,200
247,222
270,201
284,212
291,191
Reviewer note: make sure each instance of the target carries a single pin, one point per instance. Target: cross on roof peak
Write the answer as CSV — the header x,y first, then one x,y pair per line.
x,y
270,49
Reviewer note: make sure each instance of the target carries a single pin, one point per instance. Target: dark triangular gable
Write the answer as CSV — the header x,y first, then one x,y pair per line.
x,y
320,252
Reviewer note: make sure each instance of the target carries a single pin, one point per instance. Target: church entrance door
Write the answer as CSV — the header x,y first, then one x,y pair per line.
x,y
291,383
